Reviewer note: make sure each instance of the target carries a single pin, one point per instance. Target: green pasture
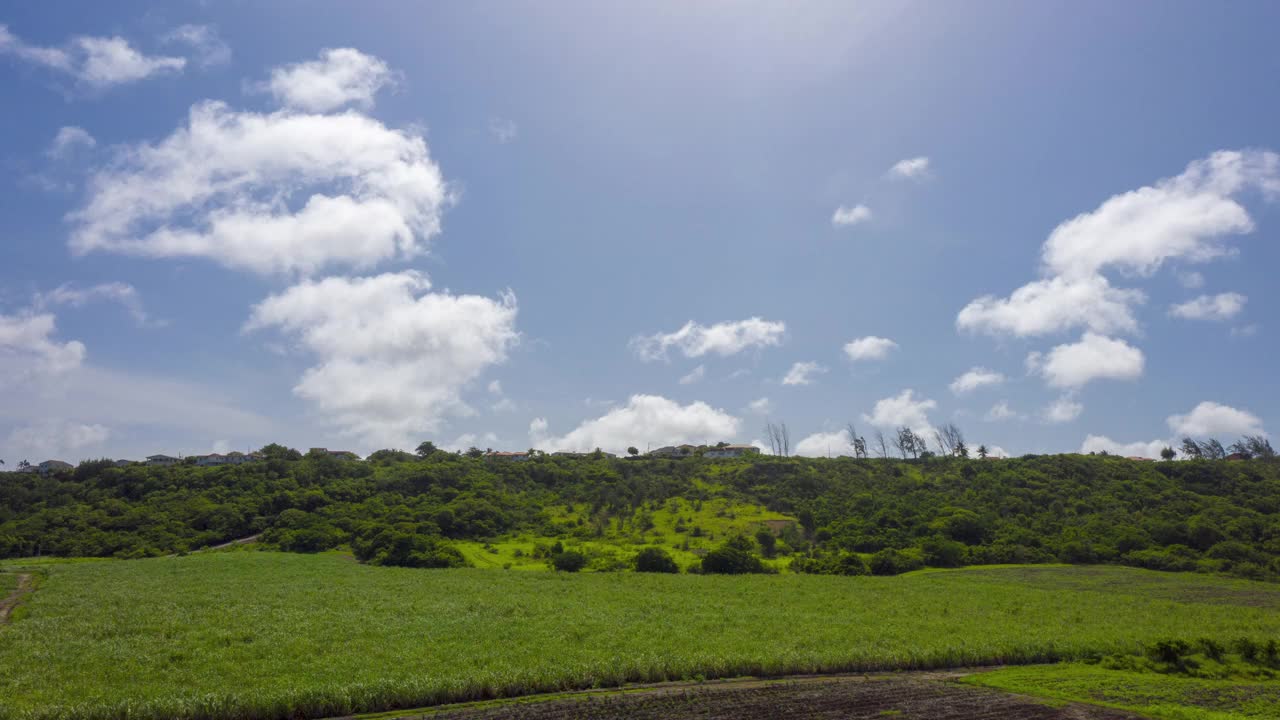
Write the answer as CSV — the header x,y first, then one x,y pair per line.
x,y
272,635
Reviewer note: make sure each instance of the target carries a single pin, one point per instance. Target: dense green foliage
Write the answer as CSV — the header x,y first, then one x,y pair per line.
x,y
1216,516
278,635
654,559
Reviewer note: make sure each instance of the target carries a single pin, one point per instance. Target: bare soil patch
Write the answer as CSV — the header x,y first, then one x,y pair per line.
x,y
918,696
26,583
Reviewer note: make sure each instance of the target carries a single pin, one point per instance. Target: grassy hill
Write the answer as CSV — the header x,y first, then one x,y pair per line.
x,y
276,635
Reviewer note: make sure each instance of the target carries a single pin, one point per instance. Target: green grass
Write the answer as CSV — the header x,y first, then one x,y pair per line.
x,y
8,581
1152,694
268,635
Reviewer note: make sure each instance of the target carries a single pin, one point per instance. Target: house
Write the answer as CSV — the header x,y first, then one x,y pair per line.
x,y
162,460
125,463
336,454
211,460
671,451
238,458
1237,456
1139,458
565,453
52,466
731,451
516,456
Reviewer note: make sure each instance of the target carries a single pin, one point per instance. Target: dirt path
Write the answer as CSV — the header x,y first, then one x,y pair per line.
x,y
26,583
240,541
905,696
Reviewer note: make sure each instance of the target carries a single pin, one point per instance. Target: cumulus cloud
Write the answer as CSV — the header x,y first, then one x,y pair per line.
x,y
915,168
760,406
1053,305
1187,218
644,420
975,378
28,349
846,216
1191,279
694,376
903,410
392,358
1102,443
209,49
725,338
231,186
1094,357
67,140
49,438
802,373
118,292
1001,411
869,348
1223,306
1211,418
825,444
1063,410
340,77
96,62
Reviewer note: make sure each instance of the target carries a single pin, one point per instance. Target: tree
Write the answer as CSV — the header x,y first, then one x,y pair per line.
x,y
962,450
982,451
779,438
655,559
949,440
1168,453
768,543
1213,450
426,449
859,443
884,447
733,558
569,561
1259,446
474,452
1191,449
904,442
633,451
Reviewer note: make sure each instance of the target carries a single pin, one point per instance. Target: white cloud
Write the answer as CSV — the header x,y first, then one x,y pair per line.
x,y
28,350
903,410
824,444
98,62
869,348
726,338
230,186
1094,357
342,76
393,359
1191,279
996,451
209,49
1063,410
645,420
119,292
975,378
67,140
503,130
846,216
466,441
915,168
694,376
1053,305
50,438
802,373
759,406
1223,306
1001,411
1211,418
1184,217
1102,443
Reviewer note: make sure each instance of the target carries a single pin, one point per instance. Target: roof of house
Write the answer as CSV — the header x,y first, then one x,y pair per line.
x,y
55,463
505,453
735,447
161,457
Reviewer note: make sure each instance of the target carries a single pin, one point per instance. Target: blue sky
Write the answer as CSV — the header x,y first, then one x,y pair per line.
x,y
580,225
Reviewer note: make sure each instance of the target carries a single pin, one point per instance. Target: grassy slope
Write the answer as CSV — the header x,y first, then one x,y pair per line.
x,y
718,519
8,581
1152,694
271,635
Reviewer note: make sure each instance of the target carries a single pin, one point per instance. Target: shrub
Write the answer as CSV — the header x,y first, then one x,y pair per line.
x,y
569,561
939,552
654,559
733,558
893,562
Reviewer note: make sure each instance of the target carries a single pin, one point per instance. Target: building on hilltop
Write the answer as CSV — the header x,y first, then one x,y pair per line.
x,y
52,466
162,460
500,455
731,451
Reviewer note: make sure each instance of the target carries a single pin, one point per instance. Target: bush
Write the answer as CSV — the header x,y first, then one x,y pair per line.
x,y
653,559
893,562
569,561
733,558
942,553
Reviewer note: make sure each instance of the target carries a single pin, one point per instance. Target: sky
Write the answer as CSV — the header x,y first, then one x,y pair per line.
x,y
577,225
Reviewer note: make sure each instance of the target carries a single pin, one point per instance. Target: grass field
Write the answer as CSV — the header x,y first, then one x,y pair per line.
x,y
267,635
1152,694
8,581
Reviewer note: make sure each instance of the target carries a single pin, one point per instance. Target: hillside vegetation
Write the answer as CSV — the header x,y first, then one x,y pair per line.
x,y
275,635
830,516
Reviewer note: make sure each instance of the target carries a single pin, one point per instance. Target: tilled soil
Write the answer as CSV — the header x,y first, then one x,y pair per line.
x,y
935,697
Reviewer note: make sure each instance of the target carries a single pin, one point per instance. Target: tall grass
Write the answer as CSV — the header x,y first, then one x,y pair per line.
x,y
264,635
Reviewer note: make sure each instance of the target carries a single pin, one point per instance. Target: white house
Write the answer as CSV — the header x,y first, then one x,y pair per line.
x,y
731,451
211,459
162,460
51,466
517,456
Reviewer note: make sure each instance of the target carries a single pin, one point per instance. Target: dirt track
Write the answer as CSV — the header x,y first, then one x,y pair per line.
x,y
907,696
25,584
